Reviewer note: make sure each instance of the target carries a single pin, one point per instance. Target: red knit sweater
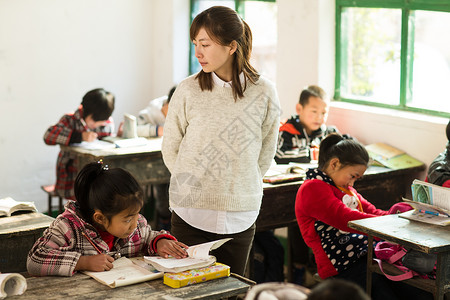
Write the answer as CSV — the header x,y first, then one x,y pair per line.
x,y
319,201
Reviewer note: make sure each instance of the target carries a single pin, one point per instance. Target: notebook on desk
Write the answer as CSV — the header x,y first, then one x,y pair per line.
x,y
126,143
281,173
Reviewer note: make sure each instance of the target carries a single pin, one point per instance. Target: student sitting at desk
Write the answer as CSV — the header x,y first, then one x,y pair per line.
x,y
90,121
326,202
150,121
306,129
439,170
103,224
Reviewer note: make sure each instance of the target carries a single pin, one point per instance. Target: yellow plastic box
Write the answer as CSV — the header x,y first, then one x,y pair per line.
x,y
177,280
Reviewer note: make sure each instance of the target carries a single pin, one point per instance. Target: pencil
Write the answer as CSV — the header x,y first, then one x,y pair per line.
x,y
92,243
433,213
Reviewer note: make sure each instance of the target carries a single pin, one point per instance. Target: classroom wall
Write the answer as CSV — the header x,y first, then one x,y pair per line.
x,y
52,52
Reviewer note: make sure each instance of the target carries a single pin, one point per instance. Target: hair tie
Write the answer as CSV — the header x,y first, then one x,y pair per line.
x,y
104,167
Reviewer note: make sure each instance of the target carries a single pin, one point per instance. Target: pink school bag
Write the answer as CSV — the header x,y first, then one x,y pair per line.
x,y
392,254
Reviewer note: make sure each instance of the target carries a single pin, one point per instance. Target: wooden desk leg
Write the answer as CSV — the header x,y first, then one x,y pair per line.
x,y
369,264
442,274
289,257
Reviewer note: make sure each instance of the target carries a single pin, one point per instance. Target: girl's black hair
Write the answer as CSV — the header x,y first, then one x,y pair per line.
x,y
346,149
98,103
108,190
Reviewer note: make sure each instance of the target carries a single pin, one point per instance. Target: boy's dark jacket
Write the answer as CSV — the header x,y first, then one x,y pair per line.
x,y
439,170
294,143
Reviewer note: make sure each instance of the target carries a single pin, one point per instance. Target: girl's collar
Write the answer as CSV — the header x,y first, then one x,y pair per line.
x,y
318,174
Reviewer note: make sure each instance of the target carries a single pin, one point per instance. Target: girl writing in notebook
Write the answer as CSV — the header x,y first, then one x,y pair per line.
x,y
219,139
327,201
103,224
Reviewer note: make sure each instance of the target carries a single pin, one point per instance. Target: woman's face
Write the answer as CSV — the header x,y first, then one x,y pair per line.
x,y
212,56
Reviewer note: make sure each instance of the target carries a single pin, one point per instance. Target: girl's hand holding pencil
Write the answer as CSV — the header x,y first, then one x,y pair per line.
x,y
96,263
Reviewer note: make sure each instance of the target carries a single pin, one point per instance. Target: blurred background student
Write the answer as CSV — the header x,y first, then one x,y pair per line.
x,y
92,120
306,129
150,121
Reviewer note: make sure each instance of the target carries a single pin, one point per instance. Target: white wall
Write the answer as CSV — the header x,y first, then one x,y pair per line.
x,y
54,51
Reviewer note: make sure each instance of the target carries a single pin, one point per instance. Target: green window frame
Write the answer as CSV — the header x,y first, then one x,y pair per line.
x,y
239,6
408,9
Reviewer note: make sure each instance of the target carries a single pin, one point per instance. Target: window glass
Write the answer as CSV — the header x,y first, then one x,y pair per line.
x,y
431,61
370,54
262,18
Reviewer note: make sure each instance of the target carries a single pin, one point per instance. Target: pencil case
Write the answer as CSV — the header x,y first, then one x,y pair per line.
x,y
177,280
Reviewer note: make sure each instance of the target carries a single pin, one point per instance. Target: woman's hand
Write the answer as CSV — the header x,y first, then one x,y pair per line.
x,y
166,247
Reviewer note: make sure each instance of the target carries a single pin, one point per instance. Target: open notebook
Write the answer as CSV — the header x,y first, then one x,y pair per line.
x,y
431,203
198,258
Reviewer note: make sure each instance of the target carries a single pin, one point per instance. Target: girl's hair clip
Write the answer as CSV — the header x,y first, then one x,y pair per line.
x,y
104,167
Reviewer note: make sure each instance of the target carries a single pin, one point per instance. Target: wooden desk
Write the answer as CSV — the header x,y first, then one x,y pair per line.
x,y
412,235
144,162
81,286
17,235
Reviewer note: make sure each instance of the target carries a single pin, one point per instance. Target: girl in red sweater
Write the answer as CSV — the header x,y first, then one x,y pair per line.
x,y
326,202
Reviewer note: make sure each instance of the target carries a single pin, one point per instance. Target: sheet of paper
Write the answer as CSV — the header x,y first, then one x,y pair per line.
x,y
124,272
173,262
425,218
202,250
95,145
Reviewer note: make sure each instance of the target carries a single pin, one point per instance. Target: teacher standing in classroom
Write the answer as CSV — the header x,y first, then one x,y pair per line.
x,y
219,139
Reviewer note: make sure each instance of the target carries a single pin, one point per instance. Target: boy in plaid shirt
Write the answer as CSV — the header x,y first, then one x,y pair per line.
x,y
92,120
